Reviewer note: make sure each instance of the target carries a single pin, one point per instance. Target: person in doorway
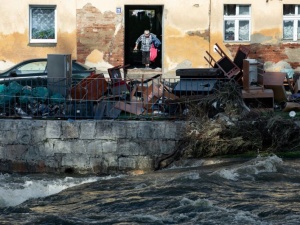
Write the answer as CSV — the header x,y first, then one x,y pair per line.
x,y
146,40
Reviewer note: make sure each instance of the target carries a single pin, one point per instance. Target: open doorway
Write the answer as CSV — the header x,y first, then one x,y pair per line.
x,y
137,19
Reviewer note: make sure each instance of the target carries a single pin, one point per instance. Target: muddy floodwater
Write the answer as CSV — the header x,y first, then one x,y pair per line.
x,y
263,190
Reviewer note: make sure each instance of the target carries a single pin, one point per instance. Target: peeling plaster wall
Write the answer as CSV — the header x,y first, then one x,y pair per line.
x,y
185,32
14,33
100,37
266,33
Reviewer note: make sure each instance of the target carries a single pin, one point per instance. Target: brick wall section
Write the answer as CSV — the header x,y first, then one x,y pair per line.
x,y
96,30
273,53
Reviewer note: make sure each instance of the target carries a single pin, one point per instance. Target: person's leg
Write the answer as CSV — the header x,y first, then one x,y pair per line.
x,y
146,56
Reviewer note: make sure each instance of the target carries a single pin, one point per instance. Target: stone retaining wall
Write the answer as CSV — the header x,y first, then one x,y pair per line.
x,y
101,147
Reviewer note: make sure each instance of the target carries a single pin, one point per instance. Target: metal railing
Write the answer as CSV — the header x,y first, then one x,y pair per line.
x,y
100,98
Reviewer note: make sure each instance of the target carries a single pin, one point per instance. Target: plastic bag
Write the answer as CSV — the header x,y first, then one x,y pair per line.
x,y
153,53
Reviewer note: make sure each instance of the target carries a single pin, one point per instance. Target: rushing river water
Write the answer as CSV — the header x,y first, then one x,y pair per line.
x,y
264,190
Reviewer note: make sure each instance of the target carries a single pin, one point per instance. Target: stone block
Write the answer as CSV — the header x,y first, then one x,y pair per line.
x,y
167,146
94,148
2,152
111,160
109,147
144,163
38,135
129,148
70,130
53,129
104,164
8,137
16,152
131,129
178,129
87,130
159,130
23,137
103,130
145,130
48,147
60,146
8,125
33,154
76,160
149,147
127,163
119,129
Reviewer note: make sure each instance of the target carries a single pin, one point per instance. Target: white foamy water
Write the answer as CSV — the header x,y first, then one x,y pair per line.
x,y
256,166
14,191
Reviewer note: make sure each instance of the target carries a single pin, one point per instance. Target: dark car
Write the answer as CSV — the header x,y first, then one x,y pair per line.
x,y
33,72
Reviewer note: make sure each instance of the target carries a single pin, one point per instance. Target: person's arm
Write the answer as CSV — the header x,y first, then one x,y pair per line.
x,y
137,43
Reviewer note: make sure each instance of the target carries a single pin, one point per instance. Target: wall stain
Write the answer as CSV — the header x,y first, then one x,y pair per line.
x,y
16,47
182,47
204,34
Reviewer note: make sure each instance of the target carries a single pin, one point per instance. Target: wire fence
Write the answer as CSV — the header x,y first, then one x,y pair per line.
x,y
97,98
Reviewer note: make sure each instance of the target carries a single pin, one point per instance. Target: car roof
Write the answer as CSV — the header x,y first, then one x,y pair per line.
x,y
40,60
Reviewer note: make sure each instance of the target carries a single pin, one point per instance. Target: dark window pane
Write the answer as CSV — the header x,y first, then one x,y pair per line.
x,y
229,10
288,9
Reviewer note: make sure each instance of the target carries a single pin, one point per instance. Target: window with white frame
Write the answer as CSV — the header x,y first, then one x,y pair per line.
x,y
42,24
291,22
237,22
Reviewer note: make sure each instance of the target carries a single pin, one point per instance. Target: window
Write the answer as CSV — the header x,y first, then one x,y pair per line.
x,y
32,67
42,24
291,22
237,22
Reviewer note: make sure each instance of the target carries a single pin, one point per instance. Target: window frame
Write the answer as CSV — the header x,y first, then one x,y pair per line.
x,y
237,18
32,40
294,18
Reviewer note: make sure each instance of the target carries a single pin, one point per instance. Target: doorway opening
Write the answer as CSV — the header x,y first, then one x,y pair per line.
x,y
137,19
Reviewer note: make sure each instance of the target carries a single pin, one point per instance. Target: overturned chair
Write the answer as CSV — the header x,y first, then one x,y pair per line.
x,y
231,68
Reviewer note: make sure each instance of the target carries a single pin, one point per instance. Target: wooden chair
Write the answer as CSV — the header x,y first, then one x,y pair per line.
x,y
118,84
230,68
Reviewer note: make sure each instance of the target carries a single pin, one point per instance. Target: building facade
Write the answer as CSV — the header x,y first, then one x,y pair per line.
x,y
103,33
